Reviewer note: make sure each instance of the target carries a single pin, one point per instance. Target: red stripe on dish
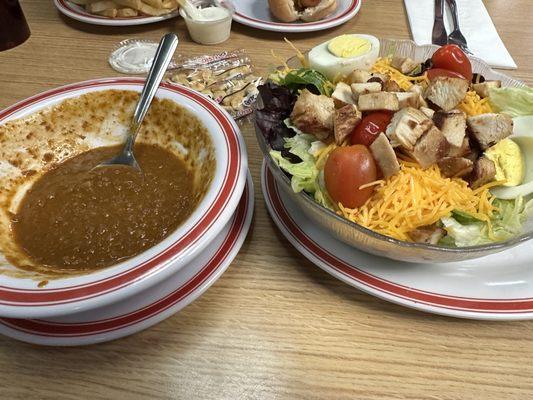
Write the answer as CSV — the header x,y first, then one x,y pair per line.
x,y
54,329
508,306
353,6
46,297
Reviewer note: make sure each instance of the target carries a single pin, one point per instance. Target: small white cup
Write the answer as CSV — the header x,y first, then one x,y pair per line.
x,y
210,32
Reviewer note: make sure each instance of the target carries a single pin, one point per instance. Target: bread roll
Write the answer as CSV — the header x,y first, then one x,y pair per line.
x,y
307,10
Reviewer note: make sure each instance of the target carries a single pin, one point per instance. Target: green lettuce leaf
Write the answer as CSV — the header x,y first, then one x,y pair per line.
x,y
304,77
305,174
507,222
512,101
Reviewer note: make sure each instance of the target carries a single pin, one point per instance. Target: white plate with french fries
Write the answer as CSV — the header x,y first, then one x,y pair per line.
x,y
118,12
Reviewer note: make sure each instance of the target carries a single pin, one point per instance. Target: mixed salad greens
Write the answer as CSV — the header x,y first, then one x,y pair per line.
x,y
302,113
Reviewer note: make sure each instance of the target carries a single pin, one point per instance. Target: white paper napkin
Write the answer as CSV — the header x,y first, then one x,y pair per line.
x,y
475,23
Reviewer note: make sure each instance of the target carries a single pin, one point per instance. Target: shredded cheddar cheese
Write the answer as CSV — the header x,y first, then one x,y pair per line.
x,y
415,197
472,104
322,155
383,66
299,54
380,182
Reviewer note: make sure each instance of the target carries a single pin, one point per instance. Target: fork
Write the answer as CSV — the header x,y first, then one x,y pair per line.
x,y
456,37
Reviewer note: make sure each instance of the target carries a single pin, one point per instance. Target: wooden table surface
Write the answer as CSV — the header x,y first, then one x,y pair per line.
x,y
274,326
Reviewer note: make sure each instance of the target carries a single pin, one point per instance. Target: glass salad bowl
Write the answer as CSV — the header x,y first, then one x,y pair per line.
x,y
372,242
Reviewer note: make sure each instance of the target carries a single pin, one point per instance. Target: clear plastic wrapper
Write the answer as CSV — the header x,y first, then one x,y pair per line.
x,y
228,78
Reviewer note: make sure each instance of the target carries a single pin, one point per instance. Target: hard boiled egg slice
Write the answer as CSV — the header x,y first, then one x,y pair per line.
x,y
338,57
523,137
508,160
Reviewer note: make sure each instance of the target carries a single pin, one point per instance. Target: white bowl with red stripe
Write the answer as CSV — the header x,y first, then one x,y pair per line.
x,y
21,298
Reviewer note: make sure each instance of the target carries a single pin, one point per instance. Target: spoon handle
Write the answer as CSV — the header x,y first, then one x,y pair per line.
x,y
162,58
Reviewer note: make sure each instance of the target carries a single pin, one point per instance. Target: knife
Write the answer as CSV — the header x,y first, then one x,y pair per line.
x,y
439,35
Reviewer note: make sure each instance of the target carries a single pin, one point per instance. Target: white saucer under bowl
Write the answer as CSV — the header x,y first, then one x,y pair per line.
x,y
496,287
148,307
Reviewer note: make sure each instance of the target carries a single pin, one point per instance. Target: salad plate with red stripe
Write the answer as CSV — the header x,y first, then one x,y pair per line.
x,y
495,287
148,307
257,15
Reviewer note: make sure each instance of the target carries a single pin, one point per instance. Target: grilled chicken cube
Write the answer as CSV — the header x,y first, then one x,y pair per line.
x,y
428,111
484,172
408,99
455,167
378,101
344,122
364,88
406,127
359,76
384,155
460,151
342,95
430,148
391,86
314,114
417,89
483,88
452,124
446,92
430,234
489,129
376,75
404,65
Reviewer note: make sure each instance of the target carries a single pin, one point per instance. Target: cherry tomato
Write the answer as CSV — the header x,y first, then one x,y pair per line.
x,y
370,127
434,72
452,58
346,169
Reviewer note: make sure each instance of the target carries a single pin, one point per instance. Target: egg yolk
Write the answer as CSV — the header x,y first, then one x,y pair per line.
x,y
509,162
347,46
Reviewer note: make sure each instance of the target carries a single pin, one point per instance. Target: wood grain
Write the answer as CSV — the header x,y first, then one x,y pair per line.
x,y
274,326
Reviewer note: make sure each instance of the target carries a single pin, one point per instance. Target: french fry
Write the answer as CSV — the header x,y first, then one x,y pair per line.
x,y
170,4
127,12
149,10
100,6
110,12
135,4
154,3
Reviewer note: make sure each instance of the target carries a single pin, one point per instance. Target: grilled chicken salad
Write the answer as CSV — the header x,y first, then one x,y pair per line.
x,y
412,150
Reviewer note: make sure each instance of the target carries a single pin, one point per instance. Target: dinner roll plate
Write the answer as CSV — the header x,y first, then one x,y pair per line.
x,y
22,298
257,15
148,307
79,13
496,287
